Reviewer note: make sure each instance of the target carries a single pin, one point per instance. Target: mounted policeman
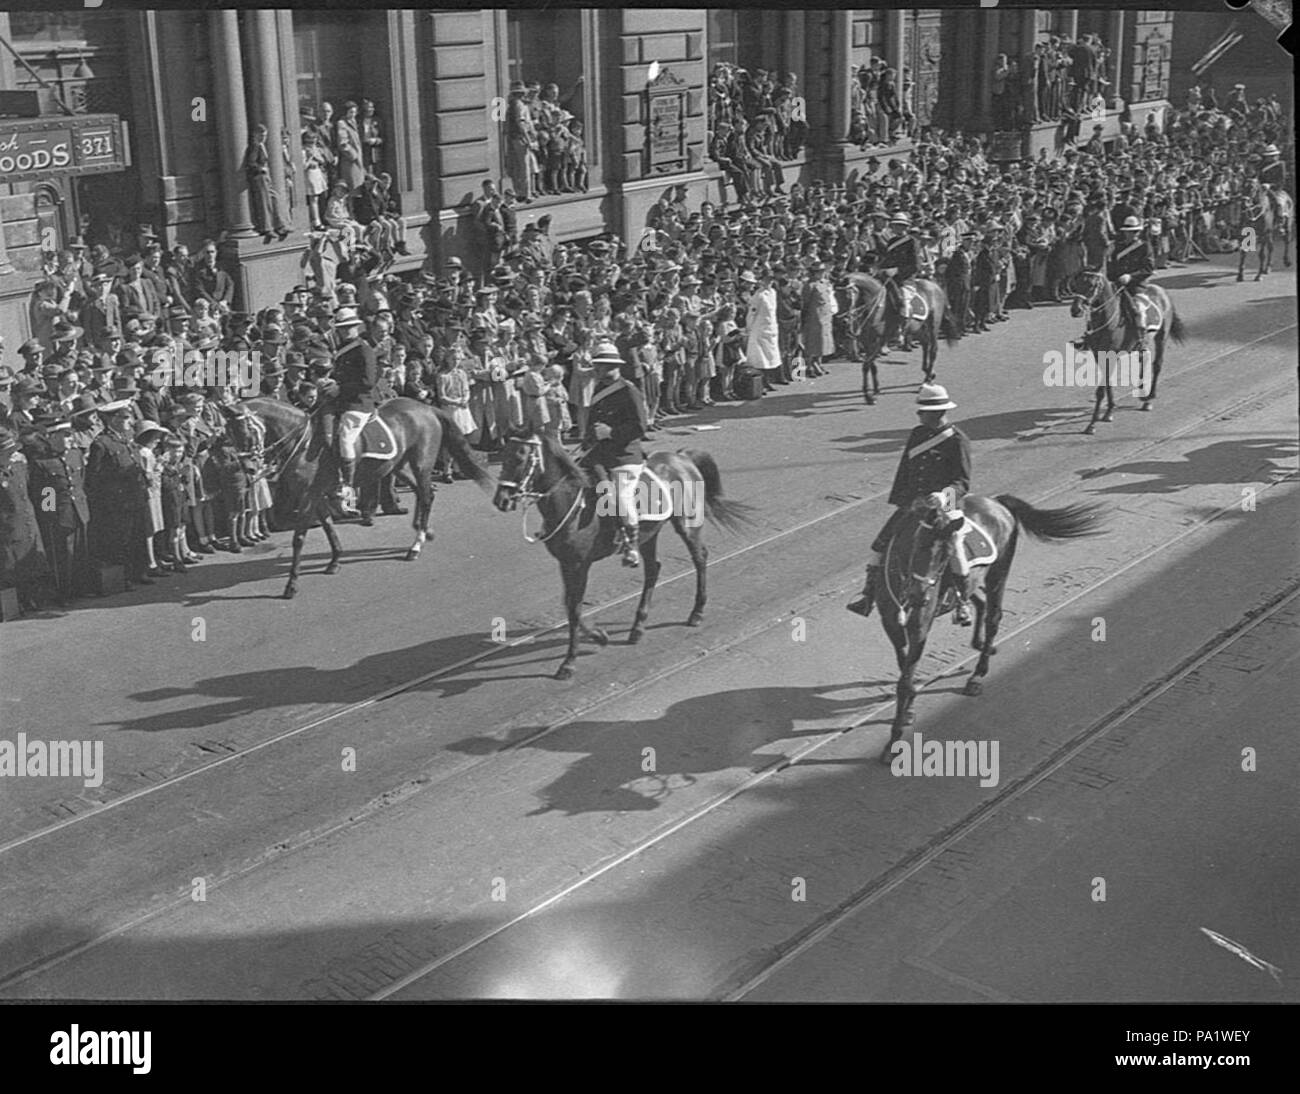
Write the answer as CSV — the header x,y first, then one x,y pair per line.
x,y
348,401
616,426
934,472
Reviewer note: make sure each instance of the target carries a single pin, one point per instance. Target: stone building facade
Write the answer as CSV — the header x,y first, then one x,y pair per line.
x,y
188,85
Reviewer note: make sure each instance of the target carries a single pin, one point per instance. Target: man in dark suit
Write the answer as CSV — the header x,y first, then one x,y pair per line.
x,y
57,486
118,495
959,285
210,282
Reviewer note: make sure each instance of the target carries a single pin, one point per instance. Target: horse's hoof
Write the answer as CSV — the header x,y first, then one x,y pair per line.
x,y
332,568
992,650
886,757
870,401
695,619
1109,416
973,687
600,637
1090,429
564,672
1146,404
290,593
428,537
633,637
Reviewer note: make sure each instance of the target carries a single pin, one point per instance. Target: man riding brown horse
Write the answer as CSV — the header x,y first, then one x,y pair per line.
x,y
349,402
616,425
1130,264
899,262
934,471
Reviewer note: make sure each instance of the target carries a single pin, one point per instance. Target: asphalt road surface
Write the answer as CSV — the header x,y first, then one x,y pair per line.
x,y
378,791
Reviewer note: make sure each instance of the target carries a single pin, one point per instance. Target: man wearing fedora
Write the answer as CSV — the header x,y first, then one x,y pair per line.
x,y
616,425
935,469
351,393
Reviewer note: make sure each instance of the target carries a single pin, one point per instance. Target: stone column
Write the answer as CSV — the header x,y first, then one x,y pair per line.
x,y
1115,42
232,120
266,103
841,51
990,23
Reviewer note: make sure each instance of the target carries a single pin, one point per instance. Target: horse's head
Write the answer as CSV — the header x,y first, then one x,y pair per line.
x,y
522,464
1084,288
928,555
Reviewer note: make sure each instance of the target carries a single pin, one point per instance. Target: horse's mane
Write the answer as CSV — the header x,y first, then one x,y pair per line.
x,y
564,459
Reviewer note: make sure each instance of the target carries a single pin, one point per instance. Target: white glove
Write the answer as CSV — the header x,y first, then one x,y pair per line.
x,y
1124,279
603,432
936,499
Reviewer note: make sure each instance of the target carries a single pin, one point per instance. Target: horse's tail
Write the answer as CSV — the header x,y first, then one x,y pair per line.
x,y
455,446
1177,331
1069,522
734,516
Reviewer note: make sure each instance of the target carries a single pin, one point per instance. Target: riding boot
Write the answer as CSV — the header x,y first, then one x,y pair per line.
x,y
865,602
347,494
631,556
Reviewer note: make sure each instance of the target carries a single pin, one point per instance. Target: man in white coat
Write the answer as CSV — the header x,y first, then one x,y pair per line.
x,y
762,351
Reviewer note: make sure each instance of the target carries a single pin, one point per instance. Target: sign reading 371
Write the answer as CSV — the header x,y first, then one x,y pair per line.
x,y
40,148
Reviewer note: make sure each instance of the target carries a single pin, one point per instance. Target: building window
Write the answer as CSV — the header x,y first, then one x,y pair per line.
x,y
553,47
723,42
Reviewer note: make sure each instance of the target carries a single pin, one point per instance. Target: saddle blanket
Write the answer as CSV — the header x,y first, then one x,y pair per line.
x,y
977,545
1149,310
914,304
377,440
654,498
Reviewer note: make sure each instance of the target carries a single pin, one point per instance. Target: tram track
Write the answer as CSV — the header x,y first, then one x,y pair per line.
x,y
897,875
420,784
531,636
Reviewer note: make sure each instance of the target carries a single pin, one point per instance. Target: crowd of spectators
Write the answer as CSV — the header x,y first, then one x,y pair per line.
x,y
706,306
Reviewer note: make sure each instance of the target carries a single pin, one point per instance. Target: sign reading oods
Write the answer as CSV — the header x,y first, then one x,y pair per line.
x,y
41,148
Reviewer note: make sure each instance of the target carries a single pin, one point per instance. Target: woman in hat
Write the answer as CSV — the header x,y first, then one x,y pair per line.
x,y
148,437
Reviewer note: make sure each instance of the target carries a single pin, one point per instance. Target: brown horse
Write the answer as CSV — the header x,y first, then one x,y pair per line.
x,y
538,470
872,324
914,586
303,472
1108,338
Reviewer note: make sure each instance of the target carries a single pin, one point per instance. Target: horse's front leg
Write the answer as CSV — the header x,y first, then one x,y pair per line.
x,y
904,696
291,589
1241,264
700,560
336,551
1096,410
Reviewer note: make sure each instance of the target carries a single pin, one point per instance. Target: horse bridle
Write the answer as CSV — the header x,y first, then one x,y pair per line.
x,y
535,462
1091,302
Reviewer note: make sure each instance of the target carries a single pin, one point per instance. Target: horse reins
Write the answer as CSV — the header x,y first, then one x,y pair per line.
x,y
536,459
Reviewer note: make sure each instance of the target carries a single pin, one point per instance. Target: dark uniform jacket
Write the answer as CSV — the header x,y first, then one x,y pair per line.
x,y
57,483
904,254
959,271
933,460
1133,258
356,369
619,406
